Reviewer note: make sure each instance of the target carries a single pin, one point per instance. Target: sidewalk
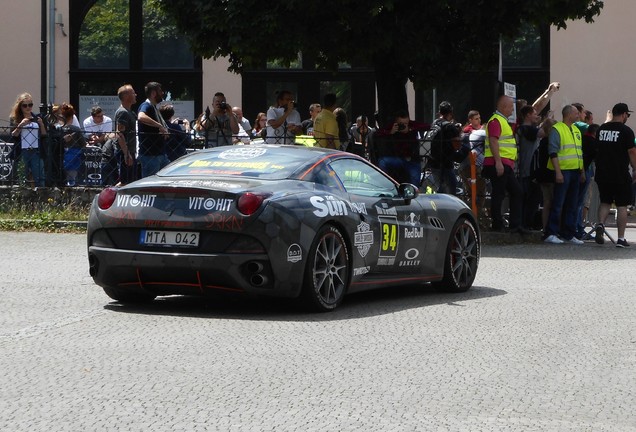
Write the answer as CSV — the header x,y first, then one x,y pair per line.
x,y
495,238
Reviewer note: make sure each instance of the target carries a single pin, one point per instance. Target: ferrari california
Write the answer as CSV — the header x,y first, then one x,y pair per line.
x,y
286,221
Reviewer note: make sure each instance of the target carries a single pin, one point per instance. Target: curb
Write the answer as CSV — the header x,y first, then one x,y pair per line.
x,y
59,224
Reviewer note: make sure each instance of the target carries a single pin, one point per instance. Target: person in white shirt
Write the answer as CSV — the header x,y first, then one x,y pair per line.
x,y
98,127
283,121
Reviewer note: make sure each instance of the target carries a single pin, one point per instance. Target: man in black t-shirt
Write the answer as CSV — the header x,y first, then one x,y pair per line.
x,y
446,149
616,150
308,125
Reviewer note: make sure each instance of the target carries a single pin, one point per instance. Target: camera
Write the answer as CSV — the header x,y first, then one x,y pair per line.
x,y
401,126
179,121
223,106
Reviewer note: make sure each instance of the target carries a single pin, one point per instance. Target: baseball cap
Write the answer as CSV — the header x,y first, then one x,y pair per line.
x,y
620,108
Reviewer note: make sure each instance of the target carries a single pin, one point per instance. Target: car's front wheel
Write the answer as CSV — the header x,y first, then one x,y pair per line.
x,y
327,271
462,257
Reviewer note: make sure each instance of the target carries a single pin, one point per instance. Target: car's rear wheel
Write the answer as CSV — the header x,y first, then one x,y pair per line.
x,y
125,296
462,257
327,271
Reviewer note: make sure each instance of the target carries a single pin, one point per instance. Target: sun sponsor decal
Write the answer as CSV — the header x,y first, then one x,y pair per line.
x,y
332,206
363,238
328,206
294,253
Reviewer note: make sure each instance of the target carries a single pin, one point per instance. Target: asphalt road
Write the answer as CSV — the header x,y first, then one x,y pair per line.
x,y
545,341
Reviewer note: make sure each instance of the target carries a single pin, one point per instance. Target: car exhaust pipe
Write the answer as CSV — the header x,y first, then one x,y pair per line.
x,y
258,280
93,265
254,267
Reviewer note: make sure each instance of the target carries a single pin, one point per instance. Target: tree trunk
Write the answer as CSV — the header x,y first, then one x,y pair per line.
x,y
391,87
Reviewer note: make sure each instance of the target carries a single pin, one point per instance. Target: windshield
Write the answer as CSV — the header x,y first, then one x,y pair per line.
x,y
243,161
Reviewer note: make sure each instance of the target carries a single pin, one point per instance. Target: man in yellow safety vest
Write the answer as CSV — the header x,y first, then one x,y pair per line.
x,y
566,160
500,154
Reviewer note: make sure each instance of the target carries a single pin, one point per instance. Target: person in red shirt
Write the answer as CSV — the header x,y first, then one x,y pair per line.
x,y
499,169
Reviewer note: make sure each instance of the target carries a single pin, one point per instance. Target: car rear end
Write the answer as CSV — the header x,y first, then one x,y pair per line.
x,y
166,237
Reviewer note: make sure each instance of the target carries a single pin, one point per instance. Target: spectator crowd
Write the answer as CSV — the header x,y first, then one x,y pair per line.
x,y
539,172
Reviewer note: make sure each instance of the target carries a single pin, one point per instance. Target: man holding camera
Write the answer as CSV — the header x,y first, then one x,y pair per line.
x,y
283,121
219,125
399,149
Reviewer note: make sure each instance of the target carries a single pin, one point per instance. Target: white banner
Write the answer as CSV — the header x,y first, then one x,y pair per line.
x,y
511,90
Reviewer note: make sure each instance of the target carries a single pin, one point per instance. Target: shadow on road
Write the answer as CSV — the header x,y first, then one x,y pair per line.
x,y
355,306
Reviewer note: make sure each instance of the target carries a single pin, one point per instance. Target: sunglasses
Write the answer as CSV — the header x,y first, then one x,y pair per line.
x,y
29,105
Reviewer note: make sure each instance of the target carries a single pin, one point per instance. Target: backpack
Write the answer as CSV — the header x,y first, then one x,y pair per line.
x,y
433,133
442,149
539,171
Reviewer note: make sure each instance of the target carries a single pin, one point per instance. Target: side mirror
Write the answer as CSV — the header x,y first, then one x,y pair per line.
x,y
408,191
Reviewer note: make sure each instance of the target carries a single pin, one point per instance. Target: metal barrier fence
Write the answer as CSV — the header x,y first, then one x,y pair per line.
x,y
67,157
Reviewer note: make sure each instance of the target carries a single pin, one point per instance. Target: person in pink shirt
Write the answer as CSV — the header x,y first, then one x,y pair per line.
x,y
499,163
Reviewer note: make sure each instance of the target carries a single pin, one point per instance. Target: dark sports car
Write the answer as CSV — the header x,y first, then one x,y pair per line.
x,y
287,221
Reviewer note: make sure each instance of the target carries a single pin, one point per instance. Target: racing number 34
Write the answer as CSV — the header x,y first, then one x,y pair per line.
x,y
389,235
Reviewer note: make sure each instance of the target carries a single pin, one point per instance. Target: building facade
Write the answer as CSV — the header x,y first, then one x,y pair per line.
x,y
86,65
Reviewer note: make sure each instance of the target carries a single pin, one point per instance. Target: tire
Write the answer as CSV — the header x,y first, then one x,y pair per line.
x,y
125,296
462,257
328,271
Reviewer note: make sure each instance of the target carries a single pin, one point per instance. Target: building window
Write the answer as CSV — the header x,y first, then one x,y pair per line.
x,y
104,36
163,47
116,42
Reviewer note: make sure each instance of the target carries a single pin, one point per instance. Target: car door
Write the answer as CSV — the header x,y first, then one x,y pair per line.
x,y
391,236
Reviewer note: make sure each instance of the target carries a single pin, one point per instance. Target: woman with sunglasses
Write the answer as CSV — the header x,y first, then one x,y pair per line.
x,y
260,126
27,130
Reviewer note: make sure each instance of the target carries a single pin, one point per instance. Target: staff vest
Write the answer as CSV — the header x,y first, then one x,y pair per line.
x,y
570,154
507,142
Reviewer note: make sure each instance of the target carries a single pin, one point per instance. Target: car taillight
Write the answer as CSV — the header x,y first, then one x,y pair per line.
x,y
106,198
249,202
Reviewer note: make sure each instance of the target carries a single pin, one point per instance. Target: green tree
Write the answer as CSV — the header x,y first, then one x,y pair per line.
x,y
422,40
103,41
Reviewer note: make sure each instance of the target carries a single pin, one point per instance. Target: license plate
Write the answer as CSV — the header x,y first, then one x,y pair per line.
x,y
169,238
